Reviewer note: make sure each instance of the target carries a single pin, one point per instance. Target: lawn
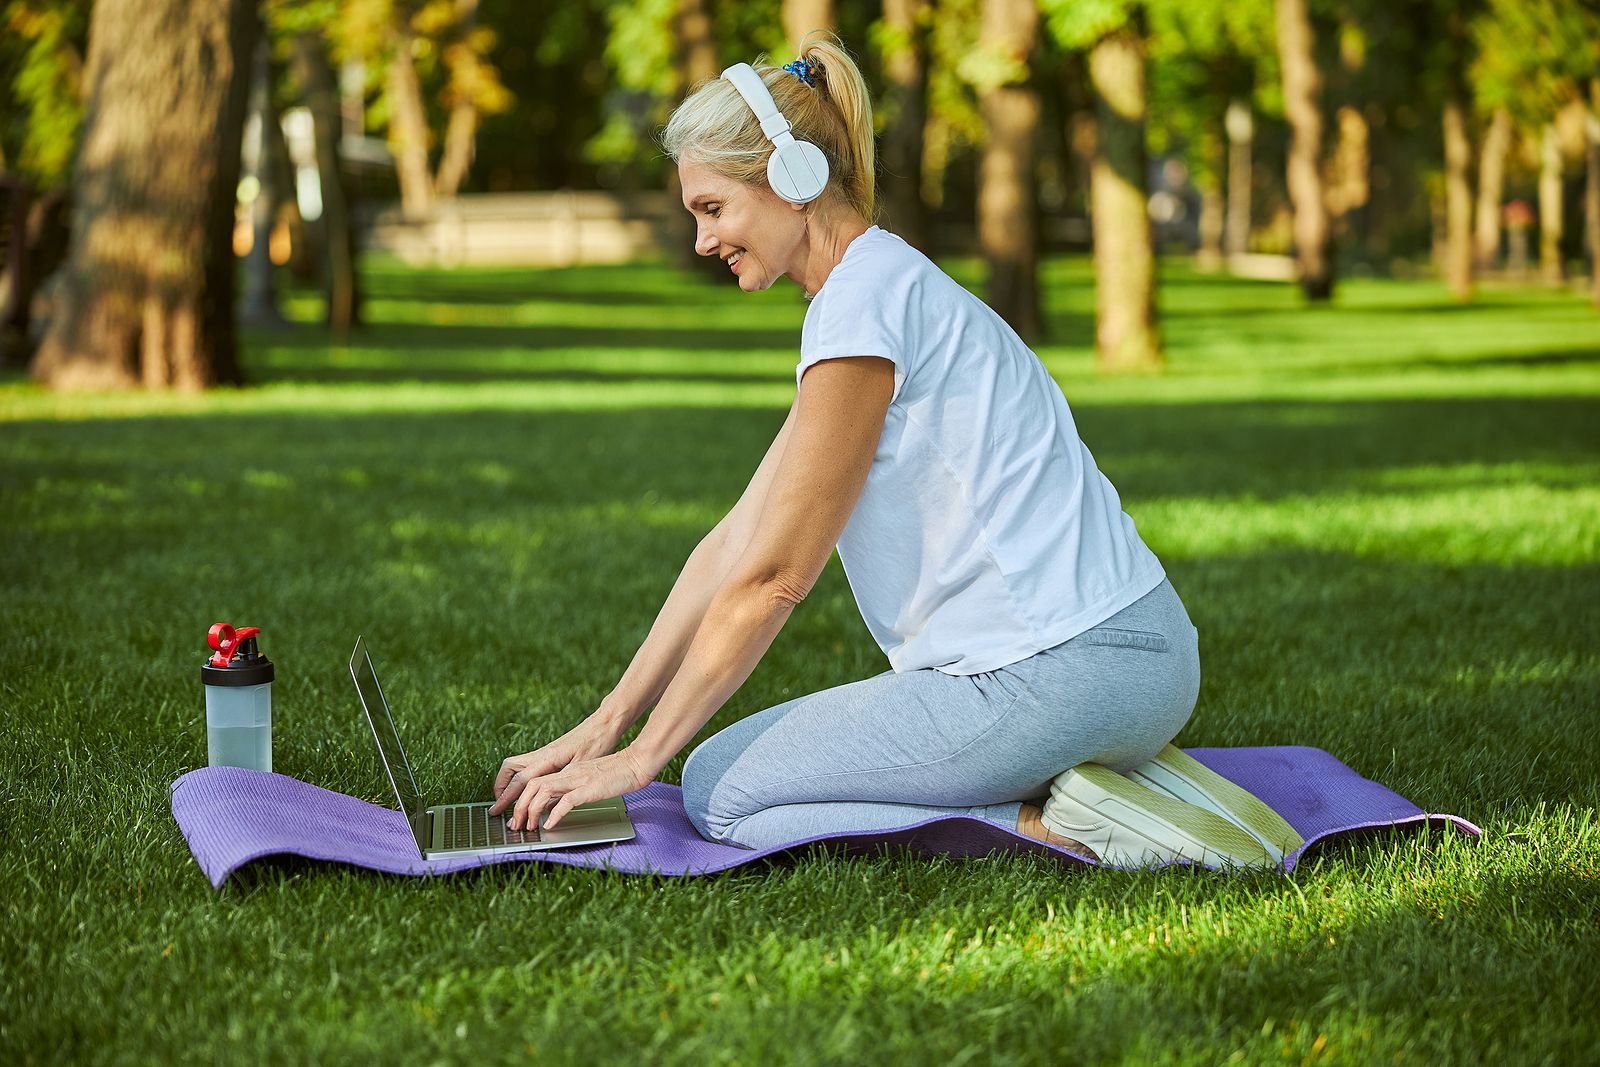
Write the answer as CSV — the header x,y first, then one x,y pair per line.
x,y
1384,518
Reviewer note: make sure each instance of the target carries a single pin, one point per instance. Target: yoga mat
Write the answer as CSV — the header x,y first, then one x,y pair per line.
x,y
231,816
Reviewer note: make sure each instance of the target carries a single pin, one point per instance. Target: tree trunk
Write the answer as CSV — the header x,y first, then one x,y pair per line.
x,y
1302,106
1213,204
1124,256
905,64
340,283
461,133
259,303
1241,131
1457,162
1491,188
148,290
1591,200
408,124
17,279
1551,222
696,53
1457,199
1007,218
800,17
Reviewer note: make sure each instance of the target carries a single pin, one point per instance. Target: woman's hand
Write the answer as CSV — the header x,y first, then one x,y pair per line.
x,y
579,782
593,737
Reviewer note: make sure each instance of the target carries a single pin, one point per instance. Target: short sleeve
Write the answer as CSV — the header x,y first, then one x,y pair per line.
x,y
844,322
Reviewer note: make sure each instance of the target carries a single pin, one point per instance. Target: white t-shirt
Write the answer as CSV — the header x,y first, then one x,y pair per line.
x,y
985,532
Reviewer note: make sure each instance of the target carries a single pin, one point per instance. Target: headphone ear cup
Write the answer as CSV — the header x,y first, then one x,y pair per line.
x,y
798,171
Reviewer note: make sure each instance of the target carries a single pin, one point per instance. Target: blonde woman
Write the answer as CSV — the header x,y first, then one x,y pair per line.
x,y
1036,646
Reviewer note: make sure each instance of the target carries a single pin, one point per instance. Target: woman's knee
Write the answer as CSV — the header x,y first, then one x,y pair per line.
x,y
704,794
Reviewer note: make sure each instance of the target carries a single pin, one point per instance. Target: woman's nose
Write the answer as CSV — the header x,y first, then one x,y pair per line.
x,y
705,244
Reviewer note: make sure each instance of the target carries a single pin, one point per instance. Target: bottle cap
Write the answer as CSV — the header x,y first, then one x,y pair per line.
x,y
237,661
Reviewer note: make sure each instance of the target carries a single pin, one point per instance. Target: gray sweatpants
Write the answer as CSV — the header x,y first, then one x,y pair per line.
x,y
895,749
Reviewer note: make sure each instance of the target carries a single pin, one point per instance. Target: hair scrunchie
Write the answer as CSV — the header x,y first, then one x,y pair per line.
x,y
805,69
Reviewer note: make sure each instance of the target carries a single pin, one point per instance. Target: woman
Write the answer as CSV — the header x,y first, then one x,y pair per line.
x,y
1036,647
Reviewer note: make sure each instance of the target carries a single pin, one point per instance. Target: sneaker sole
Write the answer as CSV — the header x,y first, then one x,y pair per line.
x,y
1128,824
1181,776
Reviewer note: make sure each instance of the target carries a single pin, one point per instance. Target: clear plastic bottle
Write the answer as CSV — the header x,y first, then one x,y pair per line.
x,y
238,681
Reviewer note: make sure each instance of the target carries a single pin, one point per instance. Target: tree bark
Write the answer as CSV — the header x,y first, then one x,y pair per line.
x,y
800,17
695,51
1124,256
1457,163
1591,200
695,46
408,124
1551,222
1457,199
339,279
1302,106
17,279
1007,216
906,70
1491,188
148,291
1241,131
258,305
461,132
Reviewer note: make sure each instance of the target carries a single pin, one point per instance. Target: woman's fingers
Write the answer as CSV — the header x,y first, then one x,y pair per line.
x,y
510,767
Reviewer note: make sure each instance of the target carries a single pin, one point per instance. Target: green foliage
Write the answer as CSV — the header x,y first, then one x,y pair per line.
x,y
1533,56
43,44
1204,54
1078,24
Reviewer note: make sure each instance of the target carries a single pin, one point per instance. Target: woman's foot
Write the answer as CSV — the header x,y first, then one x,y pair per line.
x,y
1130,825
1031,824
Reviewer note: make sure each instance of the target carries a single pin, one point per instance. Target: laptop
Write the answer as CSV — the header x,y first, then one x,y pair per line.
x,y
469,829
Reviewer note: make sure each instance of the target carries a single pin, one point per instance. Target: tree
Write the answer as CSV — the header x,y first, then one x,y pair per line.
x,y
1302,106
258,304
147,293
800,17
1207,58
42,43
1491,188
314,73
415,43
1591,198
1007,227
1535,60
1126,337
902,40
1457,160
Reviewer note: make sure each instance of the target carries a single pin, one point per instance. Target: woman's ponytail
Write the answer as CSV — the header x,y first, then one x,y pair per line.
x,y
841,82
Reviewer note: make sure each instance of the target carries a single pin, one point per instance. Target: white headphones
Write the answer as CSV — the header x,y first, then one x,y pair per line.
x,y
797,170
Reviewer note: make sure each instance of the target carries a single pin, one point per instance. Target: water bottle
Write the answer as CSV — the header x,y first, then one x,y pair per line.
x,y
238,681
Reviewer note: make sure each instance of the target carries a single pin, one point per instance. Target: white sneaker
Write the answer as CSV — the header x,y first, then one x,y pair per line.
x,y
1179,775
1130,825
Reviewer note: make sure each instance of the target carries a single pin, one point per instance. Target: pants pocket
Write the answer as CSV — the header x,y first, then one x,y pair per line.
x,y
1120,638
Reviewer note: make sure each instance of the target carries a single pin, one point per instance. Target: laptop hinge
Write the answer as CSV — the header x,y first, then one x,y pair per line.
x,y
422,830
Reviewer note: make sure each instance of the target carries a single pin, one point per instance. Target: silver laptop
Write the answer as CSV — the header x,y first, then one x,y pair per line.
x,y
469,829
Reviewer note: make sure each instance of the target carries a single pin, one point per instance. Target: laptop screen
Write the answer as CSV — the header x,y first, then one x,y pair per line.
x,y
394,759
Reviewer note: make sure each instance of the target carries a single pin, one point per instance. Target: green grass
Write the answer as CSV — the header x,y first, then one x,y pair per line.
x,y
1383,517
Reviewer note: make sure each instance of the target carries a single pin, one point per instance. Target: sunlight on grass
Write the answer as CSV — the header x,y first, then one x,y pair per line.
x,y
1383,517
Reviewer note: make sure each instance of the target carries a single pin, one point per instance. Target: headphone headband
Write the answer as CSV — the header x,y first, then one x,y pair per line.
x,y
797,170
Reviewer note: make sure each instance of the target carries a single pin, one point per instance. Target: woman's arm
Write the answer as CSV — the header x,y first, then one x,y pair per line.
x,y
659,657
837,421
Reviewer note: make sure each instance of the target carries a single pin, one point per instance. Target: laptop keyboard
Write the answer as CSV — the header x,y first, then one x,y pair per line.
x,y
471,826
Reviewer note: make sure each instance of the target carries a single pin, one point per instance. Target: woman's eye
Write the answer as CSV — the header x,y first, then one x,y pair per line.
x,y
714,212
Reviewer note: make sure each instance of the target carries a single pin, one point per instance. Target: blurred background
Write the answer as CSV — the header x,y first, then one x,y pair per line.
x,y
168,165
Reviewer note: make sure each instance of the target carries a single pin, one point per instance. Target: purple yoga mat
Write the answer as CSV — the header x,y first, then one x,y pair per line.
x,y
231,816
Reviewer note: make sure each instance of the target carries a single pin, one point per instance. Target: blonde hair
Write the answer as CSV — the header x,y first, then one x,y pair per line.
x,y
716,127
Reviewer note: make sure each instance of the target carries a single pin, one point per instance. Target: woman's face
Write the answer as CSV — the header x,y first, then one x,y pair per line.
x,y
749,227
